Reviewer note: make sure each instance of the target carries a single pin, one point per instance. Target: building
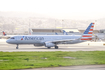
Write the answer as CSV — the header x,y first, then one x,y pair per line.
x,y
34,31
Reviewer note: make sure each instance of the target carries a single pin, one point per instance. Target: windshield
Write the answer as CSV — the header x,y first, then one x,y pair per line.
x,y
12,38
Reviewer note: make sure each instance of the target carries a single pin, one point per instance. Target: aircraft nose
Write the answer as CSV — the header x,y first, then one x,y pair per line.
x,y
8,41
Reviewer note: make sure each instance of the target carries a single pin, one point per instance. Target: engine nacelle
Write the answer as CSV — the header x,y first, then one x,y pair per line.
x,y
49,44
38,45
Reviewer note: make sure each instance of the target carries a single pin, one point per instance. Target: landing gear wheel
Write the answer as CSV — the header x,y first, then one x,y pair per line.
x,y
48,47
17,46
56,47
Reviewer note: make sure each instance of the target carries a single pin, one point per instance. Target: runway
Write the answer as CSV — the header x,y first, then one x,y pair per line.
x,y
85,46
85,67
73,47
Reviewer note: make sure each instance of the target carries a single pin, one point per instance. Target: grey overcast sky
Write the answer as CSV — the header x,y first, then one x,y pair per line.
x,y
63,9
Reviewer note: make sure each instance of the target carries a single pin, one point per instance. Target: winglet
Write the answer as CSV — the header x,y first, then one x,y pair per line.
x,y
87,35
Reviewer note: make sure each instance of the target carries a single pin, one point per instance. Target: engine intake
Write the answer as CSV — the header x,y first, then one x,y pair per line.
x,y
38,44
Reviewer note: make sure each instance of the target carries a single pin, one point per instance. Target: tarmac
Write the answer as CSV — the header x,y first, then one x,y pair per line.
x,y
85,67
85,46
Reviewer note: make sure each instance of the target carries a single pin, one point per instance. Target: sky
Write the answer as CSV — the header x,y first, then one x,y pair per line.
x,y
63,9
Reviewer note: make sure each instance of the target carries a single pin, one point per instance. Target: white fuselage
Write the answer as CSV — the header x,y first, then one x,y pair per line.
x,y
41,39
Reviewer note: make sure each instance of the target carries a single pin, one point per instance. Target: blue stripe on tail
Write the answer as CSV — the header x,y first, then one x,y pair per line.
x,y
87,30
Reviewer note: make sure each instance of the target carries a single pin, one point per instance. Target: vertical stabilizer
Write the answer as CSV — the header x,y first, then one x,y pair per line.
x,y
64,32
87,35
4,33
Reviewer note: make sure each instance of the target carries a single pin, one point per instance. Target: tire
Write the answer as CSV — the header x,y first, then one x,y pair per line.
x,y
48,47
16,47
56,47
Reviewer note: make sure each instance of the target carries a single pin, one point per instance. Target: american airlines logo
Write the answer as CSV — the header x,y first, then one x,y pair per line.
x,y
22,38
33,38
88,33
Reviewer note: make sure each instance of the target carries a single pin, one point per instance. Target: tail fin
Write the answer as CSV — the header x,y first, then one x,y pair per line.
x,y
4,33
64,32
56,33
87,35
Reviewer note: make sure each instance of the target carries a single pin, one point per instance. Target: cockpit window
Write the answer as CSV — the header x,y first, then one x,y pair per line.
x,y
12,38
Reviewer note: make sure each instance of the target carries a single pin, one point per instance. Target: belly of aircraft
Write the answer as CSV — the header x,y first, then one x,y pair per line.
x,y
29,42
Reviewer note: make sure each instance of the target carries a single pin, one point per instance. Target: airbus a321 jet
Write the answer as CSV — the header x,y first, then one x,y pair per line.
x,y
52,40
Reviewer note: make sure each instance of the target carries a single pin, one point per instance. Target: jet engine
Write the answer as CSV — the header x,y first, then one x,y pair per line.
x,y
49,44
38,44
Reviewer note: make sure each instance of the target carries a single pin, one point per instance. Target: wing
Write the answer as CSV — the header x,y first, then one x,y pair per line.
x,y
60,41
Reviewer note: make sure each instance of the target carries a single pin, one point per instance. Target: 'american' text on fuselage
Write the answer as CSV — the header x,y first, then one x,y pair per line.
x,y
33,38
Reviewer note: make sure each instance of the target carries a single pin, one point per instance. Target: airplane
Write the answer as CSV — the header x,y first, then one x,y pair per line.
x,y
100,37
5,36
56,33
64,33
4,33
52,40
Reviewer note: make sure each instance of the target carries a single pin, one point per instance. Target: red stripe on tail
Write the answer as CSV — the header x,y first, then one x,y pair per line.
x,y
91,30
86,36
92,26
86,39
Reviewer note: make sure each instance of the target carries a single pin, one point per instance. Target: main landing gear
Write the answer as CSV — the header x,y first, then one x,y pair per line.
x,y
56,47
17,46
48,47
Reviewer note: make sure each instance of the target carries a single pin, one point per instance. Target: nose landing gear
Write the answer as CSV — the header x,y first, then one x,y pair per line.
x,y
17,46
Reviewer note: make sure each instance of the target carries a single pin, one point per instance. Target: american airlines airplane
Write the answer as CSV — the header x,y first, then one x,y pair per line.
x,y
52,40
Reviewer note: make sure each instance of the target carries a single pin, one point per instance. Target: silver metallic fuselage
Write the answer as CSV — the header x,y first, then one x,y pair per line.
x,y
41,39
